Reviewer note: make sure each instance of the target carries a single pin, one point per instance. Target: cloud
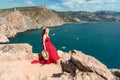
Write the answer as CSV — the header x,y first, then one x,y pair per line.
x,y
29,2
56,7
66,5
87,5
74,5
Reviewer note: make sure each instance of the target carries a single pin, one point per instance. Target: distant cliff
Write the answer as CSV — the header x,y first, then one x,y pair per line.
x,y
83,16
16,20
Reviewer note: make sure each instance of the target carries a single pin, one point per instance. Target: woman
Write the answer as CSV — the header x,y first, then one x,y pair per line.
x,y
49,47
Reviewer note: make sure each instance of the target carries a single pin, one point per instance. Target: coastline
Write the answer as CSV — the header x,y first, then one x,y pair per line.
x,y
17,20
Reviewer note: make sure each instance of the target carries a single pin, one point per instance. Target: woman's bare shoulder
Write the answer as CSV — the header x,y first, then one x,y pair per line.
x,y
44,36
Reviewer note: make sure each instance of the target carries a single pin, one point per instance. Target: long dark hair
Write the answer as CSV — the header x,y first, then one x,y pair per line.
x,y
43,32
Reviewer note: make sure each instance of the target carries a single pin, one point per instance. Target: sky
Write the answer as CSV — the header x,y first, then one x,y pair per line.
x,y
66,5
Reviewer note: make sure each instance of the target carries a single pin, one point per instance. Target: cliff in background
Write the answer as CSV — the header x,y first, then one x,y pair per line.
x,y
83,16
39,14
15,20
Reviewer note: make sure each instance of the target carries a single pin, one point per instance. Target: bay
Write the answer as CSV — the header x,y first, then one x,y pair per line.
x,y
101,40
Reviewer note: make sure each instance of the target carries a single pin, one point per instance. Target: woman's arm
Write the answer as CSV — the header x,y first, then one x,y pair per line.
x,y
44,38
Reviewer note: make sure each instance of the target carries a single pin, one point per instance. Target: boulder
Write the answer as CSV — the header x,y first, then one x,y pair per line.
x,y
15,51
68,66
66,62
85,67
88,63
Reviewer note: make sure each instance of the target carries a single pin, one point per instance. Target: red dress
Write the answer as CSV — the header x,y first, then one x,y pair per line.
x,y
53,55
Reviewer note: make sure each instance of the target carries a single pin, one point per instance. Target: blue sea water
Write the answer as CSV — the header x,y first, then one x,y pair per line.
x,y
101,40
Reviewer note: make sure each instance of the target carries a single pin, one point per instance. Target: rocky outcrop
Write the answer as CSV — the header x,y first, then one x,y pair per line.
x,y
24,70
84,67
15,61
15,64
3,38
11,52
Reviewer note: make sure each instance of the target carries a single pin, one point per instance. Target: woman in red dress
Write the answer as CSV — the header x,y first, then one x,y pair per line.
x,y
49,47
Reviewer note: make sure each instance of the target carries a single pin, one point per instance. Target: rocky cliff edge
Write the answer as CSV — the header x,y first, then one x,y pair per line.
x,y
15,61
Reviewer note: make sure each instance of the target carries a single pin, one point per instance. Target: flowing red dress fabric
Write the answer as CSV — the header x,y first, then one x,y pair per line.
x,y
53,55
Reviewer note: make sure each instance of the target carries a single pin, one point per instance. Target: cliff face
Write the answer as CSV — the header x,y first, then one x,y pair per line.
x,y
20,22
17,20
15,64
84,67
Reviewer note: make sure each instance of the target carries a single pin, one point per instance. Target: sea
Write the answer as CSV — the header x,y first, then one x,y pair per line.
x,y
100,40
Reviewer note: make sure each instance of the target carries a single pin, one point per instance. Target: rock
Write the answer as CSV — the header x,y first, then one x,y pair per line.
x,y
87,63
15,52
46,17
18,20
87,76
60,53
6,29
36,56
15,61
3,38
116,73
24,70
68,66
84,67
65,77
65,56
62,77
65,62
